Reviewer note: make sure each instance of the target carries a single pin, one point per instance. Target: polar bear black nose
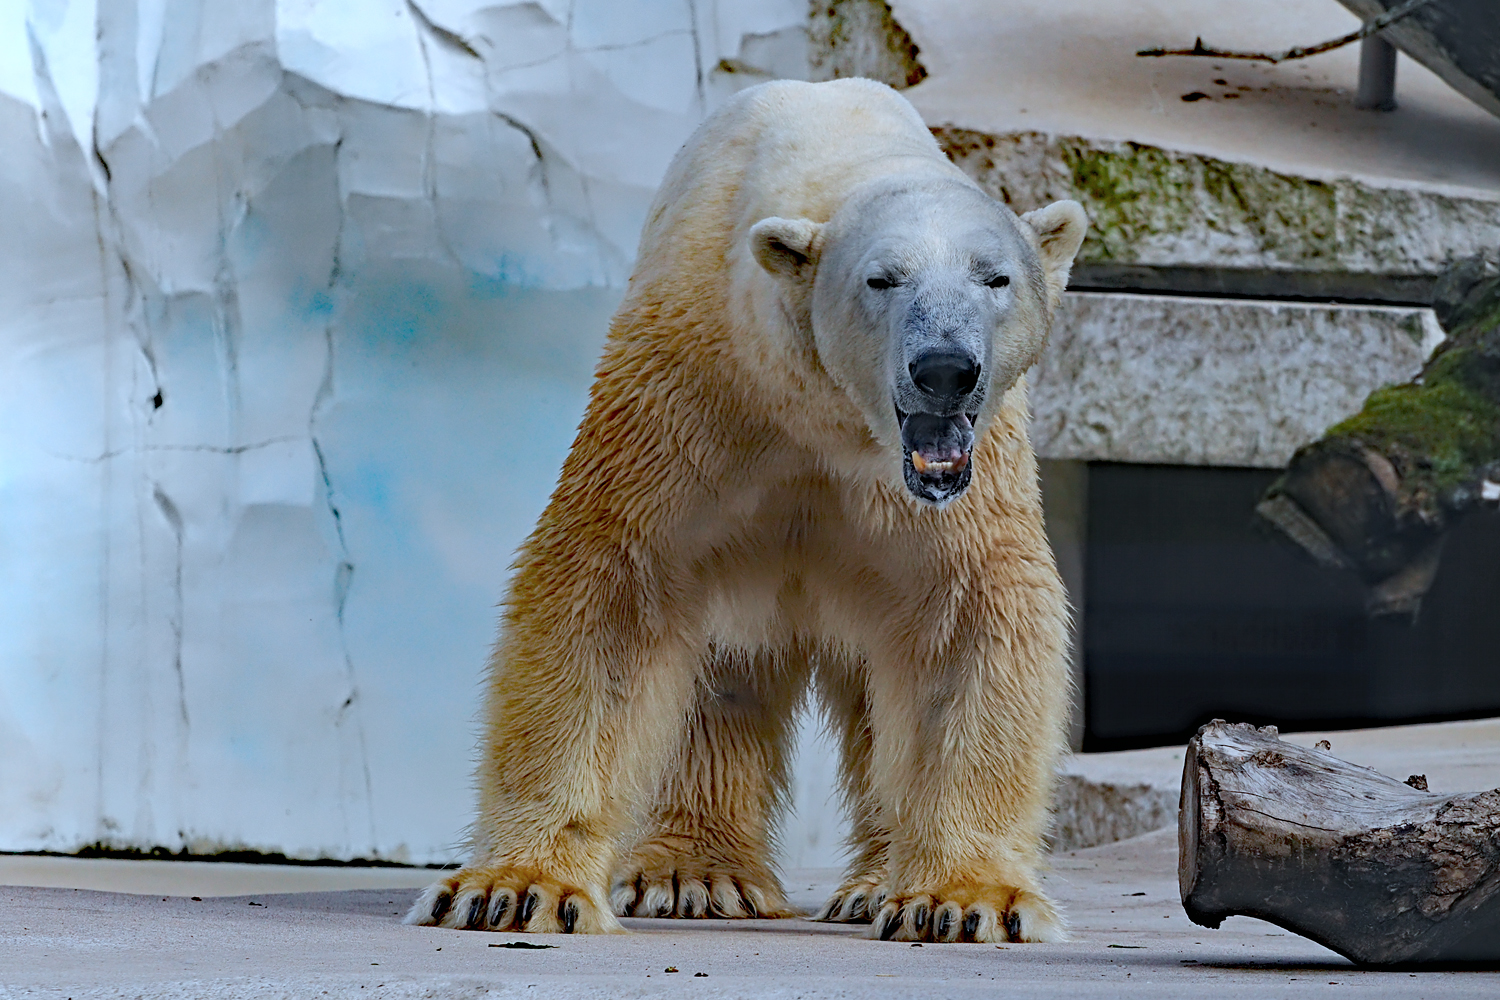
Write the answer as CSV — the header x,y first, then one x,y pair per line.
x,y
945,375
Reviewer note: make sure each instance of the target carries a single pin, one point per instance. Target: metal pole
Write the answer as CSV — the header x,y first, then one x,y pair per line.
x,y
1377,75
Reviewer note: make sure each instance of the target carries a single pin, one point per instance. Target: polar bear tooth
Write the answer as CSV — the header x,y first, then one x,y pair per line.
x,y
918,462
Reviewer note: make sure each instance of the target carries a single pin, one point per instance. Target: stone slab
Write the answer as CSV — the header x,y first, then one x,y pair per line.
x,y
1161,207
1198,381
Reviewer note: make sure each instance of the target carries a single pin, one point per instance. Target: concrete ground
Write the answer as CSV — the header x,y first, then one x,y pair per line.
x,y
1130,938
267,931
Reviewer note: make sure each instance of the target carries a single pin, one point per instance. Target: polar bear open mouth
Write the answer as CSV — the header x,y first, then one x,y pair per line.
x,y
936,454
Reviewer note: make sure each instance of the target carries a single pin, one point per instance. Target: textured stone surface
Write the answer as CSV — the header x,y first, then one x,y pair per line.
x,y
860,38
1188,381
1088,813
1149,205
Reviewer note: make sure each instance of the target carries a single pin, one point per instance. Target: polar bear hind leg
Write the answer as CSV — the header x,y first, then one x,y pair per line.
x,y
707,850
842,692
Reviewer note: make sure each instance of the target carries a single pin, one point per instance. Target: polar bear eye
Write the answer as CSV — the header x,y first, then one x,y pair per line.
x,y
998,281
880,283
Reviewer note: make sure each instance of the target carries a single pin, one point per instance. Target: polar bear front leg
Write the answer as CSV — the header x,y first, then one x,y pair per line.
x,y
707,852
582,712
965,748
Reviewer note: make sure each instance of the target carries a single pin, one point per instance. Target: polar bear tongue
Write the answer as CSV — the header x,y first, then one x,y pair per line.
x,y
937,452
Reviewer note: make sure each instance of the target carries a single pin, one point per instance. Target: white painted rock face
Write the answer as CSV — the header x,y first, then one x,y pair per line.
x,y
299,303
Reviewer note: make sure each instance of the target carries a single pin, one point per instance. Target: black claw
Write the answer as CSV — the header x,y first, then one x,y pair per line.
x,y
689,907
440,906
750,906
499,907
888,929
857,905
921,918
1013,925
971,924
665,909
528,906
476,910
569,916
944,924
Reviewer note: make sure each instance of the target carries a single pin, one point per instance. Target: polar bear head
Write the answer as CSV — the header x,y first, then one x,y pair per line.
x,y
927,300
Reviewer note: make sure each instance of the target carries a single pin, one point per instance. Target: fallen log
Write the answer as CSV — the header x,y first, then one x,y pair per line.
x,y
1379,491
1382,872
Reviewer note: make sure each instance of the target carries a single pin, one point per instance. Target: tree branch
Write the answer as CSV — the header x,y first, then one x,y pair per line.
x,y
1371,27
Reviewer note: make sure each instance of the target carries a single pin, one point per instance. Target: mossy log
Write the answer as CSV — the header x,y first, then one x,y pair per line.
x,y
1378,491
1382,872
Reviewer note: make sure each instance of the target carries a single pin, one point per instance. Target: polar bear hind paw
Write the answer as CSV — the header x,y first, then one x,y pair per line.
x,y
855,902
500,898
698,891
977,914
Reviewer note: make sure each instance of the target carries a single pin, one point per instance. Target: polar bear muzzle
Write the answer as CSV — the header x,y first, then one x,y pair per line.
x,y
938,455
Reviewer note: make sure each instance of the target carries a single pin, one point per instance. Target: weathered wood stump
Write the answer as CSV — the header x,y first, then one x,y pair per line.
x,y
1379,491
1380,871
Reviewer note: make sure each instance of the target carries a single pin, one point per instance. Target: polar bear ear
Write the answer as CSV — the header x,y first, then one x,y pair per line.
x,y
787,248
1059,228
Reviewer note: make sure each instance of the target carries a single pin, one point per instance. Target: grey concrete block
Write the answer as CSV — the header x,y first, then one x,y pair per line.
x,y
1196,381
1088,813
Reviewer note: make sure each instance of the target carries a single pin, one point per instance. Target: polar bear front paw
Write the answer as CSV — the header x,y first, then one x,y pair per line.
x,y
501,898
969,913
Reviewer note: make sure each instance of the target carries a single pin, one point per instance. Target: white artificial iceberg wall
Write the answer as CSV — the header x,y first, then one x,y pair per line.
x,y
299,302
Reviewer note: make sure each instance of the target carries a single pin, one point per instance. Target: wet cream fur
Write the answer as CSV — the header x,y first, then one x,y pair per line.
x,y
731,531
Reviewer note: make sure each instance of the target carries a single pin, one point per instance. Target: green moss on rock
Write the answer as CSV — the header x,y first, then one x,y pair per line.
x,y
1135,194
1155,206
1441,429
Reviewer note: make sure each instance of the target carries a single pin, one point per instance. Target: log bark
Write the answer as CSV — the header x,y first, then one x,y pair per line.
x,y
1377,493
1380,871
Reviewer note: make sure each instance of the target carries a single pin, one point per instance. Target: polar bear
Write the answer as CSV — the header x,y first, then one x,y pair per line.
x,y
803,465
